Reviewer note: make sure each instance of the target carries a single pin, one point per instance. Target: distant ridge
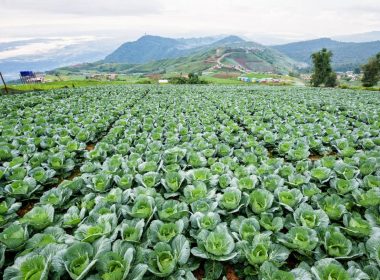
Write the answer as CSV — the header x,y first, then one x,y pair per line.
x,y
347,55
152,48
359,37
230,39
350,51
155,54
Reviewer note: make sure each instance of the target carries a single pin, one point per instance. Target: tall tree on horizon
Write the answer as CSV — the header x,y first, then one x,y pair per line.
x,y
322,70
371,72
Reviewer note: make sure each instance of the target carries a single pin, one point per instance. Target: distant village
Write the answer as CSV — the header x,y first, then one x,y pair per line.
x,y
262,80
349,76
109,77
30,77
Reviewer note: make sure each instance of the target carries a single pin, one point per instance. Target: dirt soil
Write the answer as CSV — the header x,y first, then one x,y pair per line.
x,y
231,274
25,209
90,147
199,273
226,75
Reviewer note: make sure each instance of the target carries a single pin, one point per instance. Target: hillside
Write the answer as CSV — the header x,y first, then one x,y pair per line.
x,y
346,55
240,57
145,49
152,48
359,37
152,54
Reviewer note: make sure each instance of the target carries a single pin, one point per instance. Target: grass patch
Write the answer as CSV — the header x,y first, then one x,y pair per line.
x,y
12,89
229,81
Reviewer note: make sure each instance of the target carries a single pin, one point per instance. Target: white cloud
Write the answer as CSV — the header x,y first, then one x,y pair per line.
x,y
129,19
84,7
40,48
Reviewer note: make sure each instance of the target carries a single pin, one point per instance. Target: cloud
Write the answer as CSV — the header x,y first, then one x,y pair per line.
x,y
264,20
364,9
41,47
85,7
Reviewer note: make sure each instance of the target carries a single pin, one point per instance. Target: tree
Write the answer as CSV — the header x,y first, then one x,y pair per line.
x,y
357,70
322,71
192,79
371,72
331,80
294,74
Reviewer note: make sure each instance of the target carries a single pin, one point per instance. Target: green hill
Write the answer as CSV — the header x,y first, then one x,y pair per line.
x,y
347,56
152,48
241,57
145,49
228,54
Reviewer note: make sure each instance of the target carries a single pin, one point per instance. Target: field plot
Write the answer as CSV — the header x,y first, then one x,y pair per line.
x,y
147,182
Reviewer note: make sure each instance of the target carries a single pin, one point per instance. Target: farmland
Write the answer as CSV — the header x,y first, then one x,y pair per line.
x,y
190,182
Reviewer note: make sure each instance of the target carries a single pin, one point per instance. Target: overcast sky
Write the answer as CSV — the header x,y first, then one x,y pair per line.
x,y
129,19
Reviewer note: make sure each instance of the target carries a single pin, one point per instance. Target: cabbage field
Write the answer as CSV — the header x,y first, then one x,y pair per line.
x,y
190,182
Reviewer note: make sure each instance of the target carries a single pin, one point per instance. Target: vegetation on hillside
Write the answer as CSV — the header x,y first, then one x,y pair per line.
x,y
347,56
229,52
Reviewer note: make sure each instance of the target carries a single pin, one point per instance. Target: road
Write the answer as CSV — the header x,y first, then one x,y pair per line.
x,y
222,65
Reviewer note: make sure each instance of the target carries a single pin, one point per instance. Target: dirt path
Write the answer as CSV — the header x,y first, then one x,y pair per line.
x,y
220,64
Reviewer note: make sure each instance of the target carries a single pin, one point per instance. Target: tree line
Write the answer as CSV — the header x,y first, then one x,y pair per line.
x,y
323,73
191,78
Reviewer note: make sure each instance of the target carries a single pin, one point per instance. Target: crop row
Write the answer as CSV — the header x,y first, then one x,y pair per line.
x,y
278,183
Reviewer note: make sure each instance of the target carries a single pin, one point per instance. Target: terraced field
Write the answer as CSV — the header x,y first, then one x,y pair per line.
x,y
175,182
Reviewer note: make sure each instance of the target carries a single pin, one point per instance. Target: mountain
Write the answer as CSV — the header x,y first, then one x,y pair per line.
x,y
152,48
153,54
199,41
347,55
41,54
240,57
359,37
232,39
146,49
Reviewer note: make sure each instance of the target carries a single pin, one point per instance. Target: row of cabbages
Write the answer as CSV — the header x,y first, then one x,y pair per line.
x,y
183,181
43,143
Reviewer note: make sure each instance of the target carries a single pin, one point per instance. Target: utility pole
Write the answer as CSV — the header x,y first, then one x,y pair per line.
x,y
5,85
